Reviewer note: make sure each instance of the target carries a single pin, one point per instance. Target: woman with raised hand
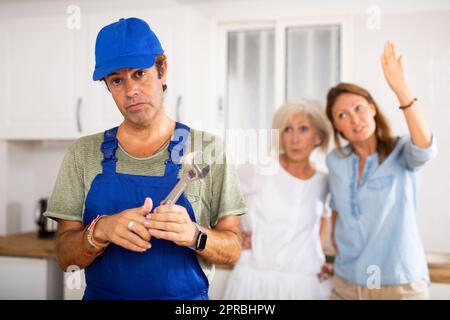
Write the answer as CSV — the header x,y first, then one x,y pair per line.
x,y
374,183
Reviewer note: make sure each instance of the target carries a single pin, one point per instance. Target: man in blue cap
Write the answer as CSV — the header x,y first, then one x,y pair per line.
x,y
109,182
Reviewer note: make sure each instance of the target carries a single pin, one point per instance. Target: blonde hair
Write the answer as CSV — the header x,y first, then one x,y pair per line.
x,y
313,110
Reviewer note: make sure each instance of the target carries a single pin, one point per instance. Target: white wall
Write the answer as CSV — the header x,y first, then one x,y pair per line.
x,y
32,170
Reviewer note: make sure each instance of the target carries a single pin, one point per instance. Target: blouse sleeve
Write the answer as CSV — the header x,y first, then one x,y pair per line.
x,y
414,157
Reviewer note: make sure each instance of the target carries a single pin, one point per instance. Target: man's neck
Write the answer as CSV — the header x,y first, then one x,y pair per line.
x,y
144,141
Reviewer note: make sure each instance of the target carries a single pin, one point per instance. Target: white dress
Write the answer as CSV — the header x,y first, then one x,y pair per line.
x,y
286,255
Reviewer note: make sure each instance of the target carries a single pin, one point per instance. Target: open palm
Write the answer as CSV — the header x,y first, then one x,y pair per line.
x,y
393,68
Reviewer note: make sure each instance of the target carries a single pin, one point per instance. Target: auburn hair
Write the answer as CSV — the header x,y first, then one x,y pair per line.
x,y
383,132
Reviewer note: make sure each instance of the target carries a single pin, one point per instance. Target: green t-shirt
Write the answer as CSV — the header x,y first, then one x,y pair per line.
x,y
214,197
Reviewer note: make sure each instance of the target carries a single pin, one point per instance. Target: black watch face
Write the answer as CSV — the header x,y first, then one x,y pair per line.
x,y
201,243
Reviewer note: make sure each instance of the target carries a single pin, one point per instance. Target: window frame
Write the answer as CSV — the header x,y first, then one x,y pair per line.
x,y
280,27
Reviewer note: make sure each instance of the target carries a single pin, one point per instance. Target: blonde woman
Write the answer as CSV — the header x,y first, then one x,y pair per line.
x,y
373,182
282,255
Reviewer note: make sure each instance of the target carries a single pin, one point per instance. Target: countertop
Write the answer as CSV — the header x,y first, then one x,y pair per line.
x,y
29,245
438,265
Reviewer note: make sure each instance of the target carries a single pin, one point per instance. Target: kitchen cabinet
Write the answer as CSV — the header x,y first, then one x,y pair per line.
x,y
439,291
438,264
29,279
47,64
42,91
219,283
75,284
2,74
28,268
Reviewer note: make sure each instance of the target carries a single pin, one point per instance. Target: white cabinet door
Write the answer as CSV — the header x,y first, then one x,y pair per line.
x,y
46,78
2,74
30,278
440,291
42,57
219,283
104,113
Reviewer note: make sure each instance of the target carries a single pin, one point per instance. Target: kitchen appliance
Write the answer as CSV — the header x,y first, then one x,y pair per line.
x,y
47,226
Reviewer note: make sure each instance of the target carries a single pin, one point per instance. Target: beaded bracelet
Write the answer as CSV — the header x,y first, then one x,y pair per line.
x,y
85,252
409,105
88,254
90,235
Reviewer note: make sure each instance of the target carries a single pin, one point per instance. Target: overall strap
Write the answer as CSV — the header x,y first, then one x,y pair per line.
x,y
177,147
109,146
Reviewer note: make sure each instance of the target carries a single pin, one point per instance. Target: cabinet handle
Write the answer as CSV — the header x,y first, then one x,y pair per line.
x,y
79,103
220,104
178,107
222,109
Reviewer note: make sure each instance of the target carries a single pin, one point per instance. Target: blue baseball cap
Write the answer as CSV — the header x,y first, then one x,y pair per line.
x,y
127,43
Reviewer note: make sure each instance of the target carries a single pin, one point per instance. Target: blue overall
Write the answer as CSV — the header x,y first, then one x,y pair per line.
x,y
166,271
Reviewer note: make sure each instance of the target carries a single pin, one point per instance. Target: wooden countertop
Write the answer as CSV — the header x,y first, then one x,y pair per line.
x,y
439,274
27,245
438,265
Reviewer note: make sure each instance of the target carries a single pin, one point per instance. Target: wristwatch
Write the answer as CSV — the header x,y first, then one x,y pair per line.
x,y
200,243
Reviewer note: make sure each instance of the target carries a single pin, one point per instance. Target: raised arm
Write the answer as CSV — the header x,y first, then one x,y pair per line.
x,y
394,74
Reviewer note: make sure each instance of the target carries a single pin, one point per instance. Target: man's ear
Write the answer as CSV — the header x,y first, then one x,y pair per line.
x,y
105,83
163,74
